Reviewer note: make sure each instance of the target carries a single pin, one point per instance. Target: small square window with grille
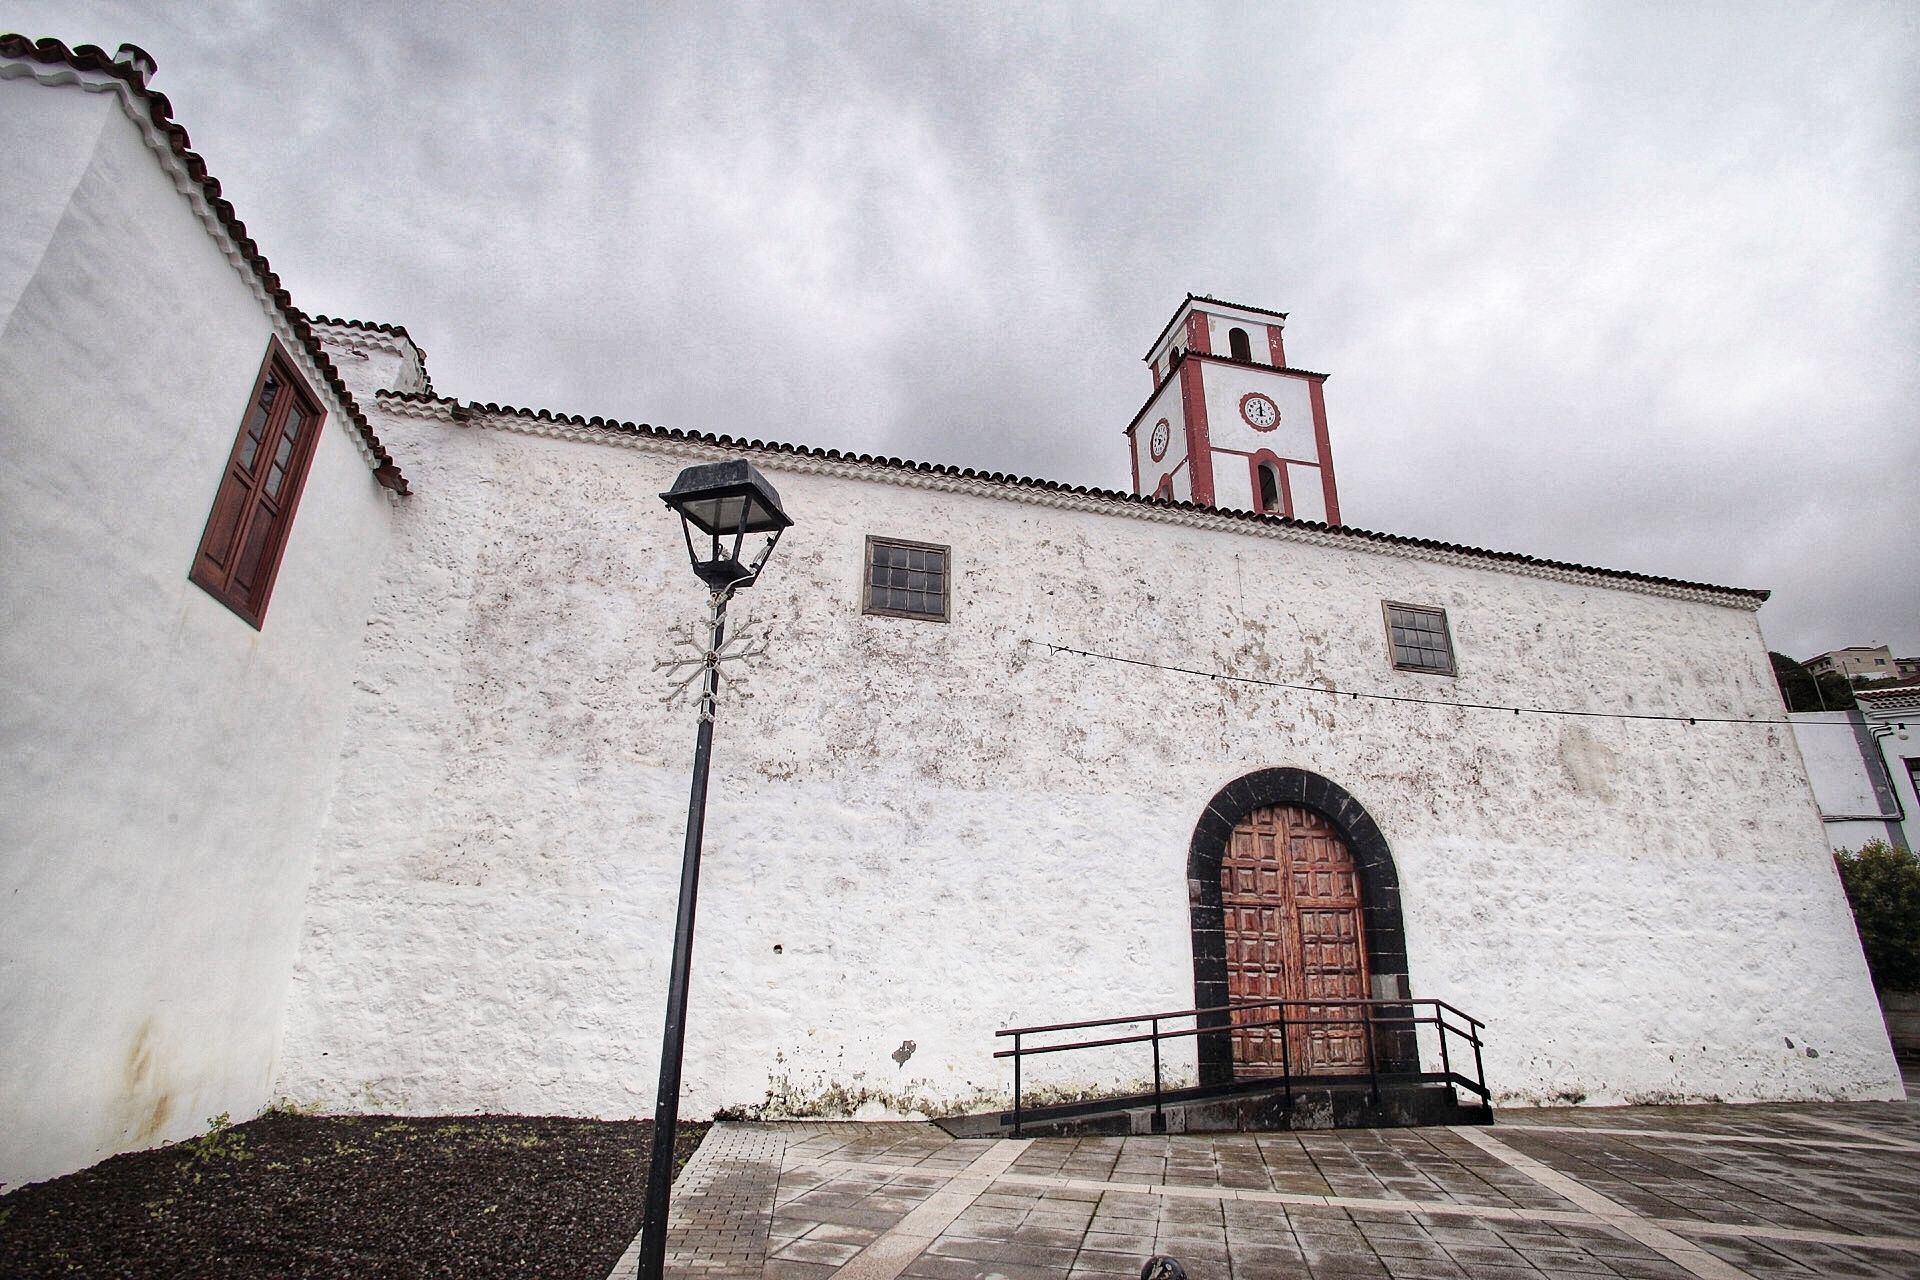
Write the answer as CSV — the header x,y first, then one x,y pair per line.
x,y
1417,639
906,579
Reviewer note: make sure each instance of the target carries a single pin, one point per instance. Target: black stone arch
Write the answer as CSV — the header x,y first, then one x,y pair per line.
x,y
1379,896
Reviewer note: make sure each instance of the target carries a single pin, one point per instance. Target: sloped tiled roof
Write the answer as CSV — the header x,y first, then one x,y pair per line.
x,y
89,57
465,412
393,330
1218,302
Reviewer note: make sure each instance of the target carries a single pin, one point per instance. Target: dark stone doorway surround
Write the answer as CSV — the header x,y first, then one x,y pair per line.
x,y
1379,889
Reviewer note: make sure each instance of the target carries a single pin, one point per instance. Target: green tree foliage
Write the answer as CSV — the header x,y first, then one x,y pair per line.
x,y
1801,691
1883,884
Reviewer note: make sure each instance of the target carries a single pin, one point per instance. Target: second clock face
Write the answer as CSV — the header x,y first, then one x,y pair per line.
x,y
1261,413
1157,443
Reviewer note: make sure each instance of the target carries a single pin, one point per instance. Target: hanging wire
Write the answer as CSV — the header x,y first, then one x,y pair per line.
x,y
1353,694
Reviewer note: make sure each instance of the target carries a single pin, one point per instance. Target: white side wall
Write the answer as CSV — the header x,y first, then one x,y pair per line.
x,y
1900,747
1166,403
167,764
1838,773
51,140
1292,438
1307,488
921,832
1220,340
1232,482
1843,784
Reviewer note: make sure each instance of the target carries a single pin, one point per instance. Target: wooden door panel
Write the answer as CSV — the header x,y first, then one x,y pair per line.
x,y
1291,903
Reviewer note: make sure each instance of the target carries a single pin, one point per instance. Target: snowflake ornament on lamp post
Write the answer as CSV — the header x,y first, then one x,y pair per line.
x,y
710,654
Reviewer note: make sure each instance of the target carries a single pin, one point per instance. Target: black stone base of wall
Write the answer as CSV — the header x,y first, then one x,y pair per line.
x,y
1346,1105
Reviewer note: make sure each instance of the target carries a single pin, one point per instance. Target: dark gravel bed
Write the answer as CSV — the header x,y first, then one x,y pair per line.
x,y
335,1196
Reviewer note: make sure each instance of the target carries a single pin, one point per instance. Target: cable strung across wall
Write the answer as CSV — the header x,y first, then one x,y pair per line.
x,y
1358,695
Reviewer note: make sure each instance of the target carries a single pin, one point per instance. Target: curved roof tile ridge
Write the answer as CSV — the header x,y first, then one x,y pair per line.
x,y
90,57
372,326
380,326
1105,495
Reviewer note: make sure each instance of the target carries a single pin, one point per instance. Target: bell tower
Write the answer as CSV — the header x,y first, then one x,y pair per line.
x,y
1230,423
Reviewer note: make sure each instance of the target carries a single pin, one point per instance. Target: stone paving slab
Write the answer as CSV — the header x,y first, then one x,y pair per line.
x,y
1656,1193
722,1204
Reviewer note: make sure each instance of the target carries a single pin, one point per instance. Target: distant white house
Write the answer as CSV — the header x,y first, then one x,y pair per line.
x,y
1856,662
339,769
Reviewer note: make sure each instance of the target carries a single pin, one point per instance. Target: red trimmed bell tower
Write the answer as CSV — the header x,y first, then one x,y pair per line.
x,y
1230,423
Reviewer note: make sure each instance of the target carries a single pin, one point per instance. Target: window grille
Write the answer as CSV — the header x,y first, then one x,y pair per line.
x,y
907,579
1418,640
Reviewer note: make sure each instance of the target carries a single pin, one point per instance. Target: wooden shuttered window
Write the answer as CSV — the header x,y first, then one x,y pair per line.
x,y
253,511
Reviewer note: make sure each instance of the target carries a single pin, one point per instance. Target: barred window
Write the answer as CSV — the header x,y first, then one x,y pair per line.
x,y
906,579
1417,639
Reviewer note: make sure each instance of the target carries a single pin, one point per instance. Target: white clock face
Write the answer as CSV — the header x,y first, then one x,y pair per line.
x,y
1157,443
1261,413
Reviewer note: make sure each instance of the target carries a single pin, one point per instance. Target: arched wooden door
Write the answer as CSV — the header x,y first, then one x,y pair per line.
x,y
1290,898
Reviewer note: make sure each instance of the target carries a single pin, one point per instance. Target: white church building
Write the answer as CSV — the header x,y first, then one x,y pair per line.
x,y
338,771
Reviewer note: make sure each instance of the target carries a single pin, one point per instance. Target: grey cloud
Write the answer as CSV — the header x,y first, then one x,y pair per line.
x,y
1625,284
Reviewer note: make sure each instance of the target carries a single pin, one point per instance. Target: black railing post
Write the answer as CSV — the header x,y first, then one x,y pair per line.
x,y
1286,1061
1446,1060
1480,1069
1016,1084
1373,1058
1159,1116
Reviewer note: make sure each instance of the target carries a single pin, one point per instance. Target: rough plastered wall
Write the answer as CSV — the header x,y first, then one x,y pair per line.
x,y
167,765
922,832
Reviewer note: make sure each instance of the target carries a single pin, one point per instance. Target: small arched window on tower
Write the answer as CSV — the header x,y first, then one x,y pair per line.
x,y
1270,503
1237,343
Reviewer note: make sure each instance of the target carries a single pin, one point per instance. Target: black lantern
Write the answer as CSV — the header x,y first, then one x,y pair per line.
x,y
724,502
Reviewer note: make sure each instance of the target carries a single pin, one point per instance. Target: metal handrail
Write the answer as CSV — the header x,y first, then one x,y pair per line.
x,y
1243,1004
1369,1020
1231,1027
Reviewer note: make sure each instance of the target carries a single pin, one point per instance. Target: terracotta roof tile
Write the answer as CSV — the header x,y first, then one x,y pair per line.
x,y
465,412
88,57
396,330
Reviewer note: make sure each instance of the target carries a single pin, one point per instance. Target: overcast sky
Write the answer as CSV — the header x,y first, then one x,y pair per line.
x,y
1631,285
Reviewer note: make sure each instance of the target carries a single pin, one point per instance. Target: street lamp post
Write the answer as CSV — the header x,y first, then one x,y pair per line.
x,y
722,503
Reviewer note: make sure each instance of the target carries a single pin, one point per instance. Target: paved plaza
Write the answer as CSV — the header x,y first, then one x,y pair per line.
x,y
1659,1193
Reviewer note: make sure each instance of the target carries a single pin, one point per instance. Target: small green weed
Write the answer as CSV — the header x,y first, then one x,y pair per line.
x,y
221,1145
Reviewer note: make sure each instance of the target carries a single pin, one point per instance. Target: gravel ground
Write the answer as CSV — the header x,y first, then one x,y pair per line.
x,y
337,1196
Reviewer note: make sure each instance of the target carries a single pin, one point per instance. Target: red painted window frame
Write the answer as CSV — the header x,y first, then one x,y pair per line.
x,y
242,501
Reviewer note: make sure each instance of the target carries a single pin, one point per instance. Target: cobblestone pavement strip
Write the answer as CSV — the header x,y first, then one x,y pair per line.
x,y
1652,1193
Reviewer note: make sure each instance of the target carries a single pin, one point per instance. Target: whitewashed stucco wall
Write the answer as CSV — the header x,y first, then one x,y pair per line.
x,y
167,764
922,832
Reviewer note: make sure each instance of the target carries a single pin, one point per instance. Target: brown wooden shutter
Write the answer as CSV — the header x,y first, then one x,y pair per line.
x,y
266,470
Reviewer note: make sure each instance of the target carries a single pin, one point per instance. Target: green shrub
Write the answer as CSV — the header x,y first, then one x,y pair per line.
x,y
1883,885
